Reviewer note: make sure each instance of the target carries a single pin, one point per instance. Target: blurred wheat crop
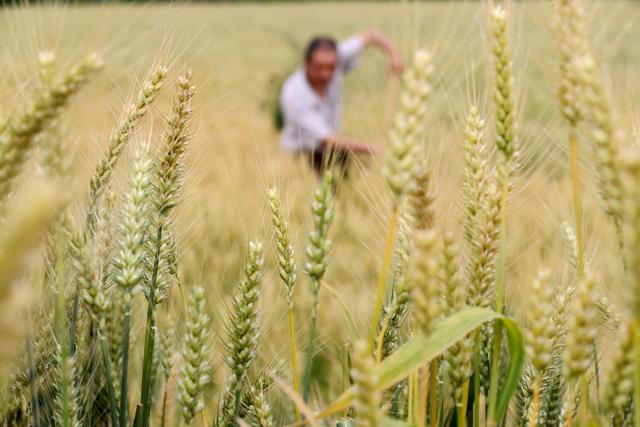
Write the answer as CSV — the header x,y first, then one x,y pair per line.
x,y
163,264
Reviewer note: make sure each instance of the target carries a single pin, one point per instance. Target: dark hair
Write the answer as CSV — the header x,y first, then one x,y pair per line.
x,y
319,43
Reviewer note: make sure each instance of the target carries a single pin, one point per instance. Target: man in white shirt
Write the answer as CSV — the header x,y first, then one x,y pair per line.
x,y
311,98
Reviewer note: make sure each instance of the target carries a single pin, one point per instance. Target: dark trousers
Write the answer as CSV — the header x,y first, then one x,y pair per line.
x,y
331,158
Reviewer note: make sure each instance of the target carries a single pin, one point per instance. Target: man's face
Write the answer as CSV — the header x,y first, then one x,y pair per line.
x,y
320,67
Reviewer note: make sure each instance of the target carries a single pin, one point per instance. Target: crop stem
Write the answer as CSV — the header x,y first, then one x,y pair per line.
x,y
315,290
476,379
125,359
382,277
294,363
577,200
535,403
433,393
104,346
150,333
462,406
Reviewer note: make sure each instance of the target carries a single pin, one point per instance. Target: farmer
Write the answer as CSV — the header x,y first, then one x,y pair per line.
x,y
311,98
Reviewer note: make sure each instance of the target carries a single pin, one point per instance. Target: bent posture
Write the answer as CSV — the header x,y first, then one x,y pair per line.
x,y
311,98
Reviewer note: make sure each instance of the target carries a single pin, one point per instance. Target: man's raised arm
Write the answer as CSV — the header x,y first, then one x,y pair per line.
x,y
373,37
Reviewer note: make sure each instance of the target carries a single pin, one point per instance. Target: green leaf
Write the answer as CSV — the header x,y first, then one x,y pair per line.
x,y
421,349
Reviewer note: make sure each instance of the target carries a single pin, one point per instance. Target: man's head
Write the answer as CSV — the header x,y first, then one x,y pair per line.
x,y
321,59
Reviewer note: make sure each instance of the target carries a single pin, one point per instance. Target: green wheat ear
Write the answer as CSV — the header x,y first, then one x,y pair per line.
x,y
619,380
194,373
17,136
169,176
119,139
367,398
539,332
243,333
504,93
582,330
286,261
407,129
459,355
425,280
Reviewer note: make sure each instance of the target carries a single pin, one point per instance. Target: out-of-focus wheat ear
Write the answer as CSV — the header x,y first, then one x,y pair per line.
x,y
318,249
53,152
408,127
35,211
260,407
571,242
607,136
25,227
195,370
367,398
66,398
619,379
91,291
426,293
539,337
18,136
104,244
504,93
630,163
244,327
47,67
395,312
581,330
631,233
539,332
459,356
421,199
507,145
119,138
402,162
572,44
166,341
475,176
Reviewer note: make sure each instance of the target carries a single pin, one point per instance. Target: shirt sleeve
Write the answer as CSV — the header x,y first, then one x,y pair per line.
x,y
349,51
307,127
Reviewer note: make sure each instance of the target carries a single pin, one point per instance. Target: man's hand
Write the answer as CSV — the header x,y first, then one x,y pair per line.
x,y
375,38
345,144
396,63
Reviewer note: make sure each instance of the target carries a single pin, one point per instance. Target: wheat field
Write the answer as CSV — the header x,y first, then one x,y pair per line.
x,y
237,56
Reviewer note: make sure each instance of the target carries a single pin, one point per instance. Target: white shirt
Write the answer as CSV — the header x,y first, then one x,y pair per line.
x,y
308,118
